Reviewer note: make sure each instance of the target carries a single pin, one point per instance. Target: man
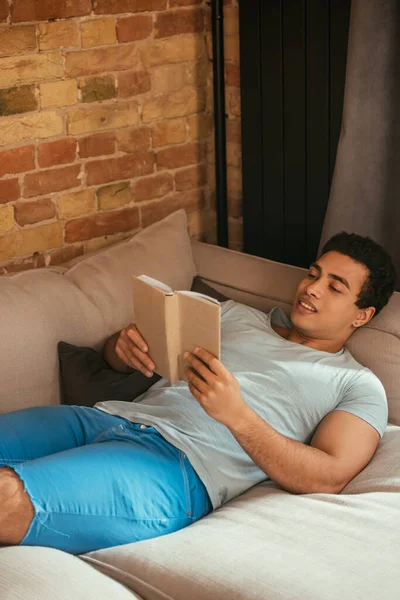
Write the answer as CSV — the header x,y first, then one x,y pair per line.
x,y
287,402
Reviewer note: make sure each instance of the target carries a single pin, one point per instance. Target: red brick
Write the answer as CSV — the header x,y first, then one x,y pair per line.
x,y
44,182
9,190
117,169
3,10
138,27
26,213
17,160
133,140
179,156
97,145
100,224
44,259
235,205
32,263
232,75
173,3
192,177
108,7
41,10
99,60
146,188
233,131
179,21
57,153
191,200
64,254
132,83
151,213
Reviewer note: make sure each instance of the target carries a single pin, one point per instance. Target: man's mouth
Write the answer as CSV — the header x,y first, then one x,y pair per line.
x,y
305,307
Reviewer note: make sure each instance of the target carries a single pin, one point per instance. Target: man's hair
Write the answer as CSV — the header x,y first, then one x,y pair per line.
x,y
381,281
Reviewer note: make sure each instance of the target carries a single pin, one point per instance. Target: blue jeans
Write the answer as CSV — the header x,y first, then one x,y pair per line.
x,y
97,480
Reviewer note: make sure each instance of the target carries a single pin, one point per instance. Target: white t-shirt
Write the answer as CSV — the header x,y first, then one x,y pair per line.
x,y
289,385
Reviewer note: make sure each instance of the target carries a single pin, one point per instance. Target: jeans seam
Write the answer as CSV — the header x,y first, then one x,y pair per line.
x,y
186,484
81,514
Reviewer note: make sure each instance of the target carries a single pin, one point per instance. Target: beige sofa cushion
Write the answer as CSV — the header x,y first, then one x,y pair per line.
x,y
271,544
163,251
33,573
86,304
265,283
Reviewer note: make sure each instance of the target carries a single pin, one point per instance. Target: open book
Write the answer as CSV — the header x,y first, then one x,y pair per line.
x,y
173,322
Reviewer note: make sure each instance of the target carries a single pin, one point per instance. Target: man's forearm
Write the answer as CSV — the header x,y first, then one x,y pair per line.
x,y
298,468
112,357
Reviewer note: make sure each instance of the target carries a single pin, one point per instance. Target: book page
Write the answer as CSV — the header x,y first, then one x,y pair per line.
x,y
200,295
158,284
151,306
199,326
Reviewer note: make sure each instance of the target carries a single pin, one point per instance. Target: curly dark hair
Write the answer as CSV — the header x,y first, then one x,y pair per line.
x,y
381,282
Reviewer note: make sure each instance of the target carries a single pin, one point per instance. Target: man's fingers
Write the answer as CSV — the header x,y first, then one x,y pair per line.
x,y
135,348
132,356
200,367
211,361
194,391
195,380
134,335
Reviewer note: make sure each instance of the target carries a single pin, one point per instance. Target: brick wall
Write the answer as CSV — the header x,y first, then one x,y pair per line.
x,y
105,123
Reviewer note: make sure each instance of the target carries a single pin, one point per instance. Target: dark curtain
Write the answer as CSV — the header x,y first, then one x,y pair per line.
x,y
365,191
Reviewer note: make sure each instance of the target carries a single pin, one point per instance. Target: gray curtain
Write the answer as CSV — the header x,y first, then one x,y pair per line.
x,y
365,192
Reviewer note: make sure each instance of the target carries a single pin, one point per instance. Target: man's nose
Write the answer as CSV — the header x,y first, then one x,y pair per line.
x,y
314,289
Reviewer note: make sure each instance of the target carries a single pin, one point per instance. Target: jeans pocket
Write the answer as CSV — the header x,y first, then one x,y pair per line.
x,y
188,500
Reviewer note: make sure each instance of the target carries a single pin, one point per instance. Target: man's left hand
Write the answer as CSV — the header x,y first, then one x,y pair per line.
x,y
214,387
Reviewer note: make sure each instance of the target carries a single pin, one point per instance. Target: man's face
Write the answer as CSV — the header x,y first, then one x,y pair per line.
x,y
331,287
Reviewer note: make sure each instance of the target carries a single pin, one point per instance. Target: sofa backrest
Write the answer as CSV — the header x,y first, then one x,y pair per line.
x,y
82,303
88,299
265,283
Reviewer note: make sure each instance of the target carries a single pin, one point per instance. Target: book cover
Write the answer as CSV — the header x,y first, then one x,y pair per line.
x,y
173,322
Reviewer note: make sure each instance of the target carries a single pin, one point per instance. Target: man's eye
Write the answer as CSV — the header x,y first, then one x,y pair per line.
x,y
335,290
311,275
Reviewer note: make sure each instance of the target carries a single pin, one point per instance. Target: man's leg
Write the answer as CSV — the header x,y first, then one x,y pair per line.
x,y
136,486
30,433
16,509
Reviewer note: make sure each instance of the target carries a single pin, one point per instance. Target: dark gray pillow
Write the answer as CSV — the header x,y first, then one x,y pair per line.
x,y
198,285
86,378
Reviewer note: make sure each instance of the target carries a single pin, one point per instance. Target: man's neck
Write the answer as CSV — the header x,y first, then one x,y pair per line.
x,y
292,335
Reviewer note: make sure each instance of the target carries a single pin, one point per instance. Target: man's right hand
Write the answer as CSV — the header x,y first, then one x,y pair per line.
x,y
133,350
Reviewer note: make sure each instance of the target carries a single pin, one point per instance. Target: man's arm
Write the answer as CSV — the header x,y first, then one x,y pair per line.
x,y
341,447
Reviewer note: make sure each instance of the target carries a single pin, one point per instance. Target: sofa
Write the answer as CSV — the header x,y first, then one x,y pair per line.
x,y
267,544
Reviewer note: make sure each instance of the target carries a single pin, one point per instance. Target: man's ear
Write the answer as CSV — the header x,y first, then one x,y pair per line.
x,y
364,316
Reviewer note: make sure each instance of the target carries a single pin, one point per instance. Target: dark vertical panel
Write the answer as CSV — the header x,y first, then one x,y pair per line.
x,y
339,33
271,128
251,107
317,111
293,58
294,130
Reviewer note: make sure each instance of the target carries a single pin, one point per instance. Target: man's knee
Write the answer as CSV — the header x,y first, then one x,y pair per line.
x,y
16,509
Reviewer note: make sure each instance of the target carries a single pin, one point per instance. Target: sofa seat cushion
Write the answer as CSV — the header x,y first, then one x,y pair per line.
x,y
271,544
35,573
